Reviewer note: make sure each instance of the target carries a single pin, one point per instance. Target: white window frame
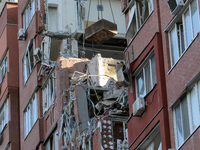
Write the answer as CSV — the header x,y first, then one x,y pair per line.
x,y
49,92
191,112
30,114
147,142
53,142
3,68
179,49
4,115
28,13
28,60
134,11
142,69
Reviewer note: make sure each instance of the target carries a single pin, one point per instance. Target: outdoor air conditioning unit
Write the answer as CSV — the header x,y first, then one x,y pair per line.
x,y
139,107
175,5
37,55
21,34
123,74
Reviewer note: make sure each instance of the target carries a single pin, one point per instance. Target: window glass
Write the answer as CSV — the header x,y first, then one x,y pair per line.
x,y
174,47
195,16
153,66
181,39
152,141
138,14
140,85
199,93
31,57
147,77
30,115
185,117
194,103
188,27
48,92
179,128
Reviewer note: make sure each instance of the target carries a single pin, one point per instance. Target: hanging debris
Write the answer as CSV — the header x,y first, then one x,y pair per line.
x,y
100,31
94,113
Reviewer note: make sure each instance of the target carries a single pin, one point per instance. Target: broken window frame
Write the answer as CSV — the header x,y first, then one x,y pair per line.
x,y
138,16
30,114
178,35
28,60
125,136
4,115
150,64
49,91
28,13
3,67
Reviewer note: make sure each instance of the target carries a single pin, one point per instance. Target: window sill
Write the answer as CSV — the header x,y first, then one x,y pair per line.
x,y
29,75
50,107
26,136
145,96
4,128
182,54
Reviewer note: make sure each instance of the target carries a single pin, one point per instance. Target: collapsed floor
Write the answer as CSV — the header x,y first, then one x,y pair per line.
x,y
96,108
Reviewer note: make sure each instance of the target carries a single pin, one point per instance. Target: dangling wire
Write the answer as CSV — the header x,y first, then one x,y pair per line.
x,y
88,13
112,11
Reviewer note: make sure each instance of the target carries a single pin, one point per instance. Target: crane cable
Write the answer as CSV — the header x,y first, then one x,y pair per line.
x,y
112,11
88,13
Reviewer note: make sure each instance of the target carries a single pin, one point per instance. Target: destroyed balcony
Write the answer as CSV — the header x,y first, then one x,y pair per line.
x,y
60,18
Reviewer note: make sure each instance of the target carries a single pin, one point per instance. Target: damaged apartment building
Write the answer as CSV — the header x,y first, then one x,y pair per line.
x,y
70,54
96,109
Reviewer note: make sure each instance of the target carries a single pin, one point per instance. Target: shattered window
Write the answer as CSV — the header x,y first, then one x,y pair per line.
x,y
146,78
3,115
48,92
3,68
119,135
30,114
28,61
138,14
183,32
28,13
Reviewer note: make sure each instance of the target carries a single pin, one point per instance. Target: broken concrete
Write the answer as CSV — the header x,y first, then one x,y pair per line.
x,y
94,106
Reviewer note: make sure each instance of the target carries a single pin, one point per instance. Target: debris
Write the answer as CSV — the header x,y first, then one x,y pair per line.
x,y
93,103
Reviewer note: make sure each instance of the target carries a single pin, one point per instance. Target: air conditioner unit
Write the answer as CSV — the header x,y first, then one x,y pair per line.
x,y
175,5
37,55
123,74
21,34
138,107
